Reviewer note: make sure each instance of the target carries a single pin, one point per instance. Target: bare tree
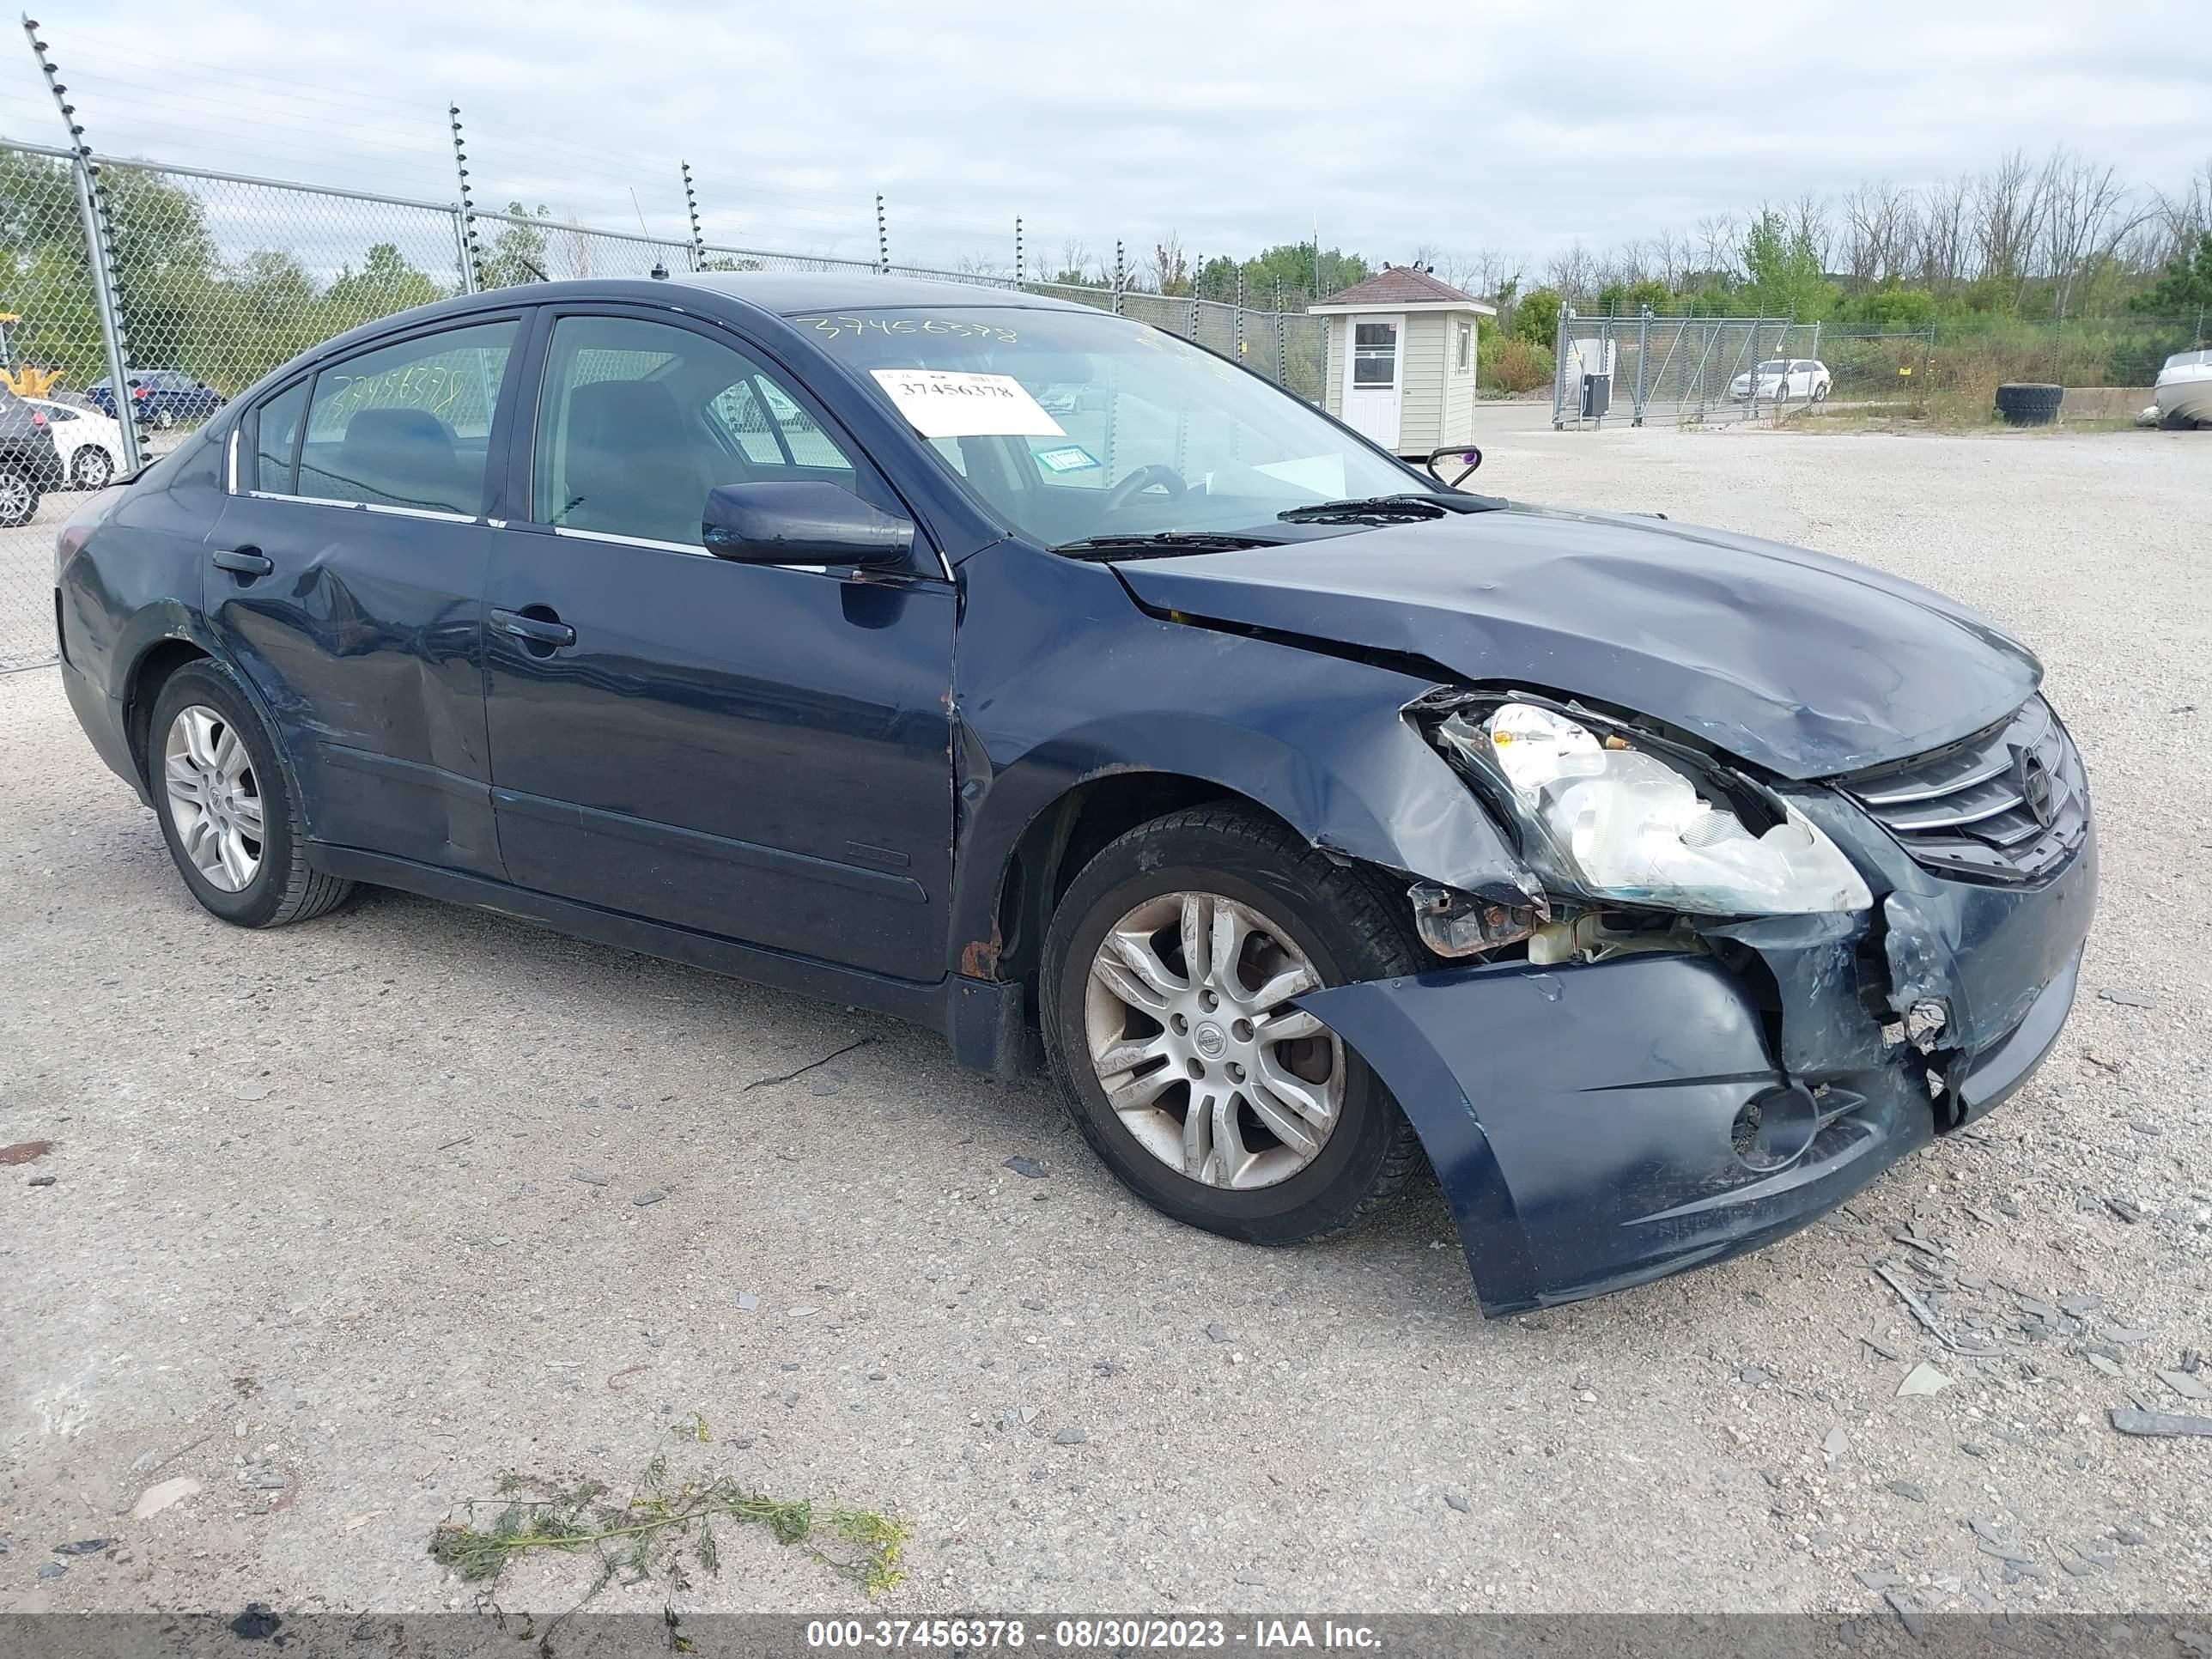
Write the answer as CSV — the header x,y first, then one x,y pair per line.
x,y
1943,214
2178,220
1573,273
1881,232
2005,208
1809,224
2087,212
1672,255
1717,243
1171,265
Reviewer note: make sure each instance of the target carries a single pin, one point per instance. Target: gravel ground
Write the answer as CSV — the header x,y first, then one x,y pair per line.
x,y
346,1220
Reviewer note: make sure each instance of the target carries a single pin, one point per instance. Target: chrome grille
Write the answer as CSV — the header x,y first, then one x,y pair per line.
x,y
2007,805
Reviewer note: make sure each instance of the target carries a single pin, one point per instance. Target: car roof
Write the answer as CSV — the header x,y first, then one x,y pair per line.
x,y
774,293
792,292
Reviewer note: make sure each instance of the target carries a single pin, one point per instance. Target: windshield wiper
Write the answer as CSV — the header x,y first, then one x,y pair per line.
x,y
1162,541
1373,509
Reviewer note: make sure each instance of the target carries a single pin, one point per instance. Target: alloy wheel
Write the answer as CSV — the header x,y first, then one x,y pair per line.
x,y
94,467
214,800
1191,1033
18,500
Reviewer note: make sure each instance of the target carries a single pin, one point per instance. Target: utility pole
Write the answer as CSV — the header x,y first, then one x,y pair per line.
x,y
472,255
92,207
691,206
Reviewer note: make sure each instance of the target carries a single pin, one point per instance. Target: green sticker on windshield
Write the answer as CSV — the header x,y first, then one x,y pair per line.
x,y
1074,458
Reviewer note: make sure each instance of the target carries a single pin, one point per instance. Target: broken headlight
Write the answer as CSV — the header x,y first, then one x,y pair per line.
x,y
1620,823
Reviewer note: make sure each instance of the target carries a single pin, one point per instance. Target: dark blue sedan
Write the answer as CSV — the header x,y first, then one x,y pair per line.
x,y
1038,677
159,397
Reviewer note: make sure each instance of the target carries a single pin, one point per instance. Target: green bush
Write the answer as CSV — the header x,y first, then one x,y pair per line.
x,y
1511,365
1536,316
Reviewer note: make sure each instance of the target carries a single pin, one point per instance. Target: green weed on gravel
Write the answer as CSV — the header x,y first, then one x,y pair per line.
x,y
661,1530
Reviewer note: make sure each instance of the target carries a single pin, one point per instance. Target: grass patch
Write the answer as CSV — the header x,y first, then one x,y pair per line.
x,y
1938,414
667,1527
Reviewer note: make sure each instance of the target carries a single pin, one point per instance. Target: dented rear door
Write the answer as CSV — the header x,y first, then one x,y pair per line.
x,y
345,582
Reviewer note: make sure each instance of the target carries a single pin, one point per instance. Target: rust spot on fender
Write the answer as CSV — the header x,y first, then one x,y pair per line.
x,y
979,958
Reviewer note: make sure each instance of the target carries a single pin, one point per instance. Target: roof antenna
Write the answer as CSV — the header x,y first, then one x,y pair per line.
x,y
660,272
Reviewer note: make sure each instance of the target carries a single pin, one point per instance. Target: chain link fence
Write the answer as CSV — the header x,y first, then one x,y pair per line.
x,y
1688,370
1682,370
219,277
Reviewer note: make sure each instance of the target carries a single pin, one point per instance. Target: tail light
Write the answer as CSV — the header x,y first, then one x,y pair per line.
x,y
37,418
137,391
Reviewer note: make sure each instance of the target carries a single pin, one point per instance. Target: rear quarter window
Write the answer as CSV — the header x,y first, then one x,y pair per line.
x,y
277,445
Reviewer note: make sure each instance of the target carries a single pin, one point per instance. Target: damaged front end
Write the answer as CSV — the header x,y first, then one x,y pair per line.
x,y
1632,1076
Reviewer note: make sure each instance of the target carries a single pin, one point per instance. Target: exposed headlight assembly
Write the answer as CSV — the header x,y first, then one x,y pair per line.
x,y
1620,823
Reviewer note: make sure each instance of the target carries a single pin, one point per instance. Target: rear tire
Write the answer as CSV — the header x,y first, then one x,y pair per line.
x,y
228,813
19,499
1304,909
94,468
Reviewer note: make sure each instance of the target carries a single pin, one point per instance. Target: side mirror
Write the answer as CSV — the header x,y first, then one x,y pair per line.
x,y
1466,456
801,522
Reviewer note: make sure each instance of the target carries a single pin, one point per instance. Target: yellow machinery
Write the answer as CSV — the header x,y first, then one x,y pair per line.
x,y
21,378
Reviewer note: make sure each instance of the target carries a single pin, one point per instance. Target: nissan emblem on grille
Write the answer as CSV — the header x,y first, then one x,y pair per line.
x,y
2034,781
2008,804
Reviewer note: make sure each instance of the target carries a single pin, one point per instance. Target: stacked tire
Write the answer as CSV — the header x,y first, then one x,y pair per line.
x,y
2022,403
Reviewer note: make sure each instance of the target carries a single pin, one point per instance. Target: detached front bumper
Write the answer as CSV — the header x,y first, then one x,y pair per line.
x,y
1589,1124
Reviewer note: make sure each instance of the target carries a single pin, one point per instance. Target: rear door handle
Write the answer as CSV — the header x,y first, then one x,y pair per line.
x,y
244,561
548,630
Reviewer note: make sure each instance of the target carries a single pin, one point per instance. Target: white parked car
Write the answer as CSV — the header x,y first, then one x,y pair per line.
x,y
1785,379
90,443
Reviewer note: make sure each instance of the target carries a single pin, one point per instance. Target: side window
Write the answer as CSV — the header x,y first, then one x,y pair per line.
x,y
637,421
277,423
1462,347
406,425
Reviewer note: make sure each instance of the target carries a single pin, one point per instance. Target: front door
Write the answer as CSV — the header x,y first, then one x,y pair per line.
x,y
1374,378
761,753
346,579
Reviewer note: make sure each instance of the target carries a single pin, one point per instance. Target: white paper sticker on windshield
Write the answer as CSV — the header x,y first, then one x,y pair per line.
x,y
943,403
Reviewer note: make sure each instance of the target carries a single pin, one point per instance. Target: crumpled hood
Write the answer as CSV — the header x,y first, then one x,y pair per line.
x,y
1803,664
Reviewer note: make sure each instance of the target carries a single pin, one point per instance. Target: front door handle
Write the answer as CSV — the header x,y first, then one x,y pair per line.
x,y
547,631
245,562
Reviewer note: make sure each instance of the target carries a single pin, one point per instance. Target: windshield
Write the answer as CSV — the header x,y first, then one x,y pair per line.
x,y
1071,425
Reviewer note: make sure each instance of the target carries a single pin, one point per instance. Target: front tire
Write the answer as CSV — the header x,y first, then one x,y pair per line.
x,y
163,418
1170,970
226,807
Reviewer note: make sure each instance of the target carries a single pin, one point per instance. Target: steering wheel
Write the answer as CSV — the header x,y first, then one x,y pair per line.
x,y
1144,477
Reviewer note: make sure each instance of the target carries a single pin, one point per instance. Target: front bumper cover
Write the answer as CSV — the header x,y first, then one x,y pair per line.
x,y
1580,1117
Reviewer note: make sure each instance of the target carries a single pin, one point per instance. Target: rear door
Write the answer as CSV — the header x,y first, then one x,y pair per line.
x,y
758,753
346,582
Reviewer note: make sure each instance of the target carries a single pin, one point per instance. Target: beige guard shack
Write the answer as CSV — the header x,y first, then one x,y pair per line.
x,y
1401,353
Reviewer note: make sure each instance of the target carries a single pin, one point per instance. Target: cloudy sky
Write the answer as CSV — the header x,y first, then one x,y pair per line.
x,y
1507,126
